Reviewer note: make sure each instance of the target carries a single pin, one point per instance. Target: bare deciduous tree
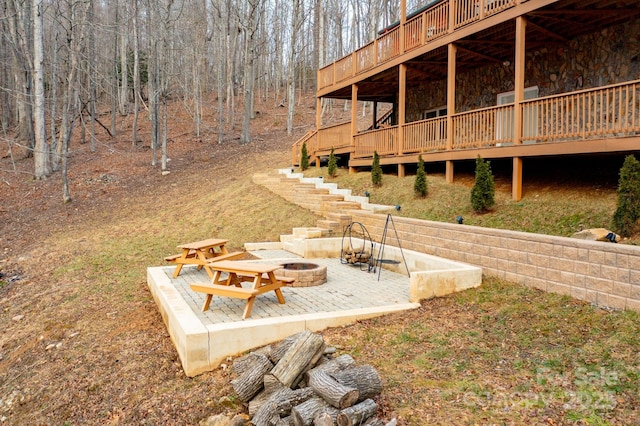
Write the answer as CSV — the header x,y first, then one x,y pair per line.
x,y
117,57
41,150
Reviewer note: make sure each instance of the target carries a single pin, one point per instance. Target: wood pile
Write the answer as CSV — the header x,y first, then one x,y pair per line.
x,y
297,383
351,255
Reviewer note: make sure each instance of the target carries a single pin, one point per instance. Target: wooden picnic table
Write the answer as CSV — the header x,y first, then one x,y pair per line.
x,y
202,253
261,275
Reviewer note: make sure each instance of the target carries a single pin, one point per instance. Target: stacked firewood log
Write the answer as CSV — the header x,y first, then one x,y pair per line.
x,y
296,382
356,255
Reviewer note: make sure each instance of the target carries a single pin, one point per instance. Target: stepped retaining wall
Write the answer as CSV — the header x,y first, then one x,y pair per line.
x,y
605,274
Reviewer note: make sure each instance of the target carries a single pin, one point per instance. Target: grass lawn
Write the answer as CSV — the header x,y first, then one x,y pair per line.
x,y
83,342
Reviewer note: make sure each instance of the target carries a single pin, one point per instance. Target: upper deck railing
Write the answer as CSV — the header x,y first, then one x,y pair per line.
x,y
421,29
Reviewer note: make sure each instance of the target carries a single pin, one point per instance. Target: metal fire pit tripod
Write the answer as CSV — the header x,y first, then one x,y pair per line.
x,y
380,258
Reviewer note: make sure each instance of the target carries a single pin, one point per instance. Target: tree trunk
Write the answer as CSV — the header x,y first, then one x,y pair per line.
x,y
249,64
41,152
153,83
76,15
291,78
19,19
230,54
90,75
220,81
114,78
54,102
124,72
136,73
164,134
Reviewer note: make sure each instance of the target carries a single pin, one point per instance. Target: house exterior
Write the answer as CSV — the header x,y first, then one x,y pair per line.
x,y
500,79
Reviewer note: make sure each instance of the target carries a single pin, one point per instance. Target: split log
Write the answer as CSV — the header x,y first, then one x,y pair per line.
x,y
271,387
303,354
266,415
357,414
374,421
365,378
286,421
296,397
265,396
250,382
246,362
285,399
303,414
323,419
336,364
335,393
281,348
271,382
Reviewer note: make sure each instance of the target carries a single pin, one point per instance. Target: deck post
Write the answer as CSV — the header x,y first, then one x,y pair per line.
x,y
318,125
354,118
516,182
402,112
518,93
516,186
451,106
375,114
318,113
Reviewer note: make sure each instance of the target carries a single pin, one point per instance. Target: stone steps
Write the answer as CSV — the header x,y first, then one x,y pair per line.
x,y
322,198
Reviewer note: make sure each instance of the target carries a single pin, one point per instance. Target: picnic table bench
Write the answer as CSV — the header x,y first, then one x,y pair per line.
x,y
261,275
202,253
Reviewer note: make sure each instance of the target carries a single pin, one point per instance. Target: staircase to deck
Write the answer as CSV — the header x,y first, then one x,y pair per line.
x,y
322,198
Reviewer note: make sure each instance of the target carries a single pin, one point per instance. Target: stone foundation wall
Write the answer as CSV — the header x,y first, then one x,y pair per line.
x,y
605,57
605,274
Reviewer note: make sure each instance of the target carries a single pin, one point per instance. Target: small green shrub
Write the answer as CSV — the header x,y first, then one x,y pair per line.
x,y
304,157
625,218
484,188
332,167
376,170
420,185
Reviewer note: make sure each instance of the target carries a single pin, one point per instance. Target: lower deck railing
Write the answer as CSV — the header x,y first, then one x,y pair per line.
x,y
337,136
610,111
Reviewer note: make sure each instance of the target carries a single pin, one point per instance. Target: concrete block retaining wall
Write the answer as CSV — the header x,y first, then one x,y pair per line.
x,y
602,273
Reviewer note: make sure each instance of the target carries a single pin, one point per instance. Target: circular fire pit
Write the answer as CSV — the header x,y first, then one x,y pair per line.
x,y
305,274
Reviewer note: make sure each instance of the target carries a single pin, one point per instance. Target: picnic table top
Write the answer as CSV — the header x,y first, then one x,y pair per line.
x,y
199,245
248,267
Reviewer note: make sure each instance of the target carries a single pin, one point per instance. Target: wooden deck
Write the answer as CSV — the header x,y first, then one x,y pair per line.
x,y
441,42
605,119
